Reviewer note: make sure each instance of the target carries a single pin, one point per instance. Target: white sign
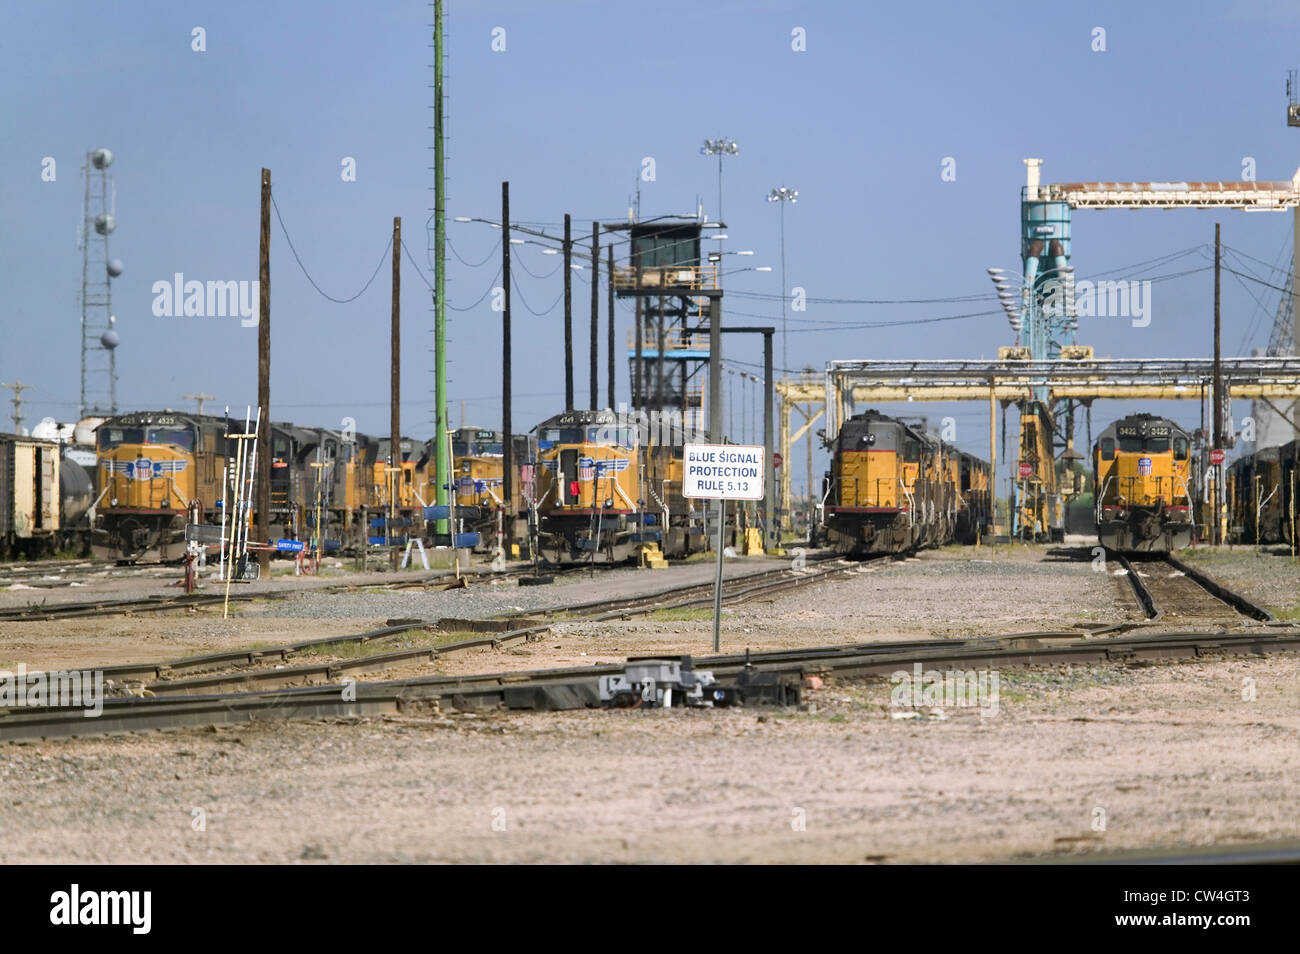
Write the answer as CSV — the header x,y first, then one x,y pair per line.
x,y
722,472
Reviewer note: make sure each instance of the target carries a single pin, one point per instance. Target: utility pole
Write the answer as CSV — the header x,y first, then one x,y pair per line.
x,y
17,401
772,534
264,378
1218,393
1218,380
395,387
637,376
200,398
659,357
442,455
611,327
507,445
715,370
568,315
595,316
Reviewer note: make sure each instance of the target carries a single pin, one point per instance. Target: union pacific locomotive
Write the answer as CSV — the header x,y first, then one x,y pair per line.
x,y
478,456
606,484
159,470
1144,485
893,488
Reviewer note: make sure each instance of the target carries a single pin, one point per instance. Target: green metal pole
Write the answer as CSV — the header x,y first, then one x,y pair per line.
x,y
443,459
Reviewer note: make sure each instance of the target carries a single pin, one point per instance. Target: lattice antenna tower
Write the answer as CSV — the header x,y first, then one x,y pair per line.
x,y
99,338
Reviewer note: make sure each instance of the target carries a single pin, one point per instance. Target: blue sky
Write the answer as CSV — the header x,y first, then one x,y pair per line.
x,y
859,123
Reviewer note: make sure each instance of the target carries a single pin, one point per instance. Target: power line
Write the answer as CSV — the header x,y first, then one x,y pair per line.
x,y
471,264
487,291
416,265
520,262
338,301
527,307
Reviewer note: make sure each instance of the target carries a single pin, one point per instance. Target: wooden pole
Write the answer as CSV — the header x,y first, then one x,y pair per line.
x,y
264,376
1217,423
568,314
395,389
594,350
610,383
507,445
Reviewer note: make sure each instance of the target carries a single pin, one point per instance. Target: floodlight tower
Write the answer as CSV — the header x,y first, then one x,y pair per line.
x,y
783,195
99,338
720,147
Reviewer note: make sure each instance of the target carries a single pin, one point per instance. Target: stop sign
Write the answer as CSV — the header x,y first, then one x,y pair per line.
x,y
1026,470
776,460
1216,456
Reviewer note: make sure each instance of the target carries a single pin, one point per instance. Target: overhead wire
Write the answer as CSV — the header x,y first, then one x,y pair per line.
x,y
312,281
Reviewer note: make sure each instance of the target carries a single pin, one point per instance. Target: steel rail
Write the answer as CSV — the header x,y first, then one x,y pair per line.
x,y
1155,612
579,683
534,626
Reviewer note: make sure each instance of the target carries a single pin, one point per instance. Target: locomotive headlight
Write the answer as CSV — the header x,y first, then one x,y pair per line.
x,y
609,501
113,502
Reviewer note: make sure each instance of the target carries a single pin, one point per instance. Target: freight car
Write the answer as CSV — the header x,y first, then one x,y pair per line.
x,y
892,488
1144,485
29,496
1261,489
974,499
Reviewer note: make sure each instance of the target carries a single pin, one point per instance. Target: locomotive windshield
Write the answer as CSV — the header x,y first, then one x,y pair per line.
x,y
476,448
589,435
1130,443
563,435
113,436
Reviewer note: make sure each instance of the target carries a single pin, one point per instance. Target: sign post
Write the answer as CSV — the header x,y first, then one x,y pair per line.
x,y
722,472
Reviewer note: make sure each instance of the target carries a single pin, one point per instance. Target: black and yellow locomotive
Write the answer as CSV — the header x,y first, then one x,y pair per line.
x,y
892,488
1144,485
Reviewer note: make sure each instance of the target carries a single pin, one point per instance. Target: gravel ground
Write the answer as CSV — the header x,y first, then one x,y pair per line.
x,y
1270,577
309,613
952,593
1171,755
1160,757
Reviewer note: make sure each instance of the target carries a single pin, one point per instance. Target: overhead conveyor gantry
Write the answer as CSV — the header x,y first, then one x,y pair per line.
x,y
855,382
847,384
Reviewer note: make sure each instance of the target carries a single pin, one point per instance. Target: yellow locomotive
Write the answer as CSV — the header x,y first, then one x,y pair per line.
x,y
606,483
159,470
1144,485
893,488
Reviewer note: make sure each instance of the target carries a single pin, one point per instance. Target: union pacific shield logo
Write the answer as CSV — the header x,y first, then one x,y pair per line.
x,y
143,468
1144,466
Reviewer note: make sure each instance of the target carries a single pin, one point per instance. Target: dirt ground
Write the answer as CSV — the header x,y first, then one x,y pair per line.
x,y
1070,760
1075,760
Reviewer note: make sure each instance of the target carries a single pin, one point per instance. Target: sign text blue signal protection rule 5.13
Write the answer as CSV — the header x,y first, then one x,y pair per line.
x,y
722,471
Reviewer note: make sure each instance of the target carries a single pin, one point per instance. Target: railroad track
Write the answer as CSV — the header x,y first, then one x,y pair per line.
x,y
54,574
576,687
168,701
249,685
249,668
33,612
433,580
1171,592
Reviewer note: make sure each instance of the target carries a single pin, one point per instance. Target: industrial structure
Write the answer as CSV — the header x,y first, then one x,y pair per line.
x,y
99,337
676,289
